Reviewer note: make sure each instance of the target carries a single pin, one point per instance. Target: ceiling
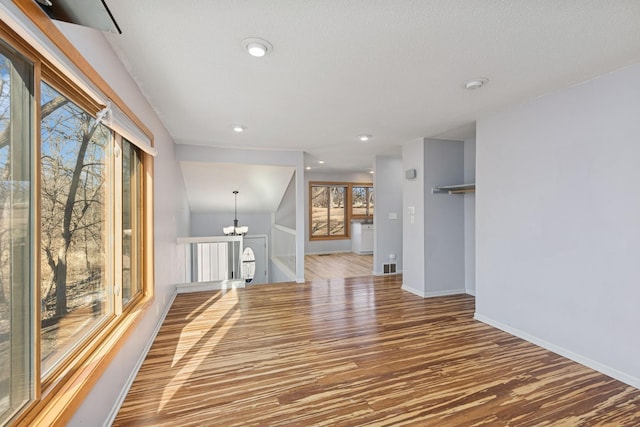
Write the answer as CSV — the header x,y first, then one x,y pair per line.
x,y
260,188
394,69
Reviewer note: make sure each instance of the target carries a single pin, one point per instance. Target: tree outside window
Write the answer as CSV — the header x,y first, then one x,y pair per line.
x,y
88,247
73,222
362,201
328,211
332,205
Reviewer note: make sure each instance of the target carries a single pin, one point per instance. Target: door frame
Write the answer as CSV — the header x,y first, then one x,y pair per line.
x,y
266,254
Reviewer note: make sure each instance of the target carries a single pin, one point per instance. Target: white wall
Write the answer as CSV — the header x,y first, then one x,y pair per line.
x,y
278,275
558,222
434,244
171,219
191,153
328,246
413,272
285,215
444,218
387,181
211,223
470,218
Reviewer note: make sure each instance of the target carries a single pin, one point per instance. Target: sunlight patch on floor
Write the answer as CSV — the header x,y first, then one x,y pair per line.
x,y
190,342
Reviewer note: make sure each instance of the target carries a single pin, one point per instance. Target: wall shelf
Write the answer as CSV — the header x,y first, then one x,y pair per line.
x,y
455,189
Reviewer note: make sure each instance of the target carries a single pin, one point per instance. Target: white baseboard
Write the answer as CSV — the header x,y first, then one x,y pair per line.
x,y
184,288
380,273
445,293
433,294
125,390
471,292
600,367
413,291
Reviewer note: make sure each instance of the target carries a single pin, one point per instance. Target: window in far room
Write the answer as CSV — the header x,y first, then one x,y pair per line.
x,y
328,213
362,201
332,205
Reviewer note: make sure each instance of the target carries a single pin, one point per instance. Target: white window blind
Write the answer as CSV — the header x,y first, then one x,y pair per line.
x,y
120,123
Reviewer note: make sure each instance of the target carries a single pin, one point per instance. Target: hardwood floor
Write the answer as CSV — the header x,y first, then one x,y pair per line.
x,y
336,266
357,352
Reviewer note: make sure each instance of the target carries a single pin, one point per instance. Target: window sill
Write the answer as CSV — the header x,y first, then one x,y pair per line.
x,y
317,238
61,399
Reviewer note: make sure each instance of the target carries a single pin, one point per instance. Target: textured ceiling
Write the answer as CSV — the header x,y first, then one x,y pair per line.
x,y
390,68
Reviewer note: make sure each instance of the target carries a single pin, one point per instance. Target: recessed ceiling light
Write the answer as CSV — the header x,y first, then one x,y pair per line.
x,y
474,84
239,128
257,47
364,138
321,162
371,172
308,168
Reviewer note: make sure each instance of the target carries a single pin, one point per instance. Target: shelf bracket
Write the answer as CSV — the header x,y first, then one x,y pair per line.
x,y
454,189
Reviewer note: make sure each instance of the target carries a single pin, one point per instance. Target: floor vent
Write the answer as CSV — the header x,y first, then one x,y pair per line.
x,y
389,268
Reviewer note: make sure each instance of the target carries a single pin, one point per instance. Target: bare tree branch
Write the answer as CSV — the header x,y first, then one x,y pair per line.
x,y
45,110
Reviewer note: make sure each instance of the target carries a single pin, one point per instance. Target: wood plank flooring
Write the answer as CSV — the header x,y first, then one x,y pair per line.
x,y
335,266
356,352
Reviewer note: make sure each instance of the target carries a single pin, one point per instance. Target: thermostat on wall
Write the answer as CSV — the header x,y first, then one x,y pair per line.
x,y
410,174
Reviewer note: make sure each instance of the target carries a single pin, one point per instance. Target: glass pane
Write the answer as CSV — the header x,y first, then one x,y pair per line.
x,y
74,224
362,201
358,201
16,312
319,210
131,221
337,211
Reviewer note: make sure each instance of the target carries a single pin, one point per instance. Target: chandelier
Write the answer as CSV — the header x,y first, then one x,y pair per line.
x,y
234,230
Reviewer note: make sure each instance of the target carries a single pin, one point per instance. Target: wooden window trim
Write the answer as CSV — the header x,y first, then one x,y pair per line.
x,y
347,217
56,402
348,206
60,399
358,184
14,42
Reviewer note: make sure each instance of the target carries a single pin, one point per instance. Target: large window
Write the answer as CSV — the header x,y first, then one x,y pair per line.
x,y
16,307
74,223
74,233
333,204
328,211
131,221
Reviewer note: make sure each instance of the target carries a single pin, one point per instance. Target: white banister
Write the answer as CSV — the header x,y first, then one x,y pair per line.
x,y
213,262
284,249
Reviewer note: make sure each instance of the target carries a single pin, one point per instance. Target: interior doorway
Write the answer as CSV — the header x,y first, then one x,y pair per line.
x,y
337,266
259,265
